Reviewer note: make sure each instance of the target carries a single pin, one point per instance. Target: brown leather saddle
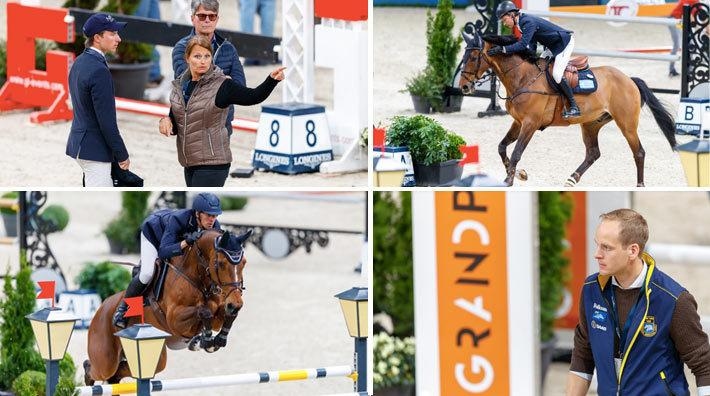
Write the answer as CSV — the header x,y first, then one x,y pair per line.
x,y
574,65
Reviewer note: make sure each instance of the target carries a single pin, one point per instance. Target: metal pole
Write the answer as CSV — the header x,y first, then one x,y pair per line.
x,y
23,219
143,387
685,59
361,363
52,376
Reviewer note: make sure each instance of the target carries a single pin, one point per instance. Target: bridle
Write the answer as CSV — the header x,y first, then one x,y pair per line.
x,y
474,42
215,287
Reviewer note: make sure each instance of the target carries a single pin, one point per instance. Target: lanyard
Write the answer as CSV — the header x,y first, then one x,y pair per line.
x,y
623,333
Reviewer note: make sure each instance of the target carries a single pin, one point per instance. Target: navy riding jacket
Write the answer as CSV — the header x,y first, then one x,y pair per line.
x,y
94,133
537,30
165,229
650,364
225,57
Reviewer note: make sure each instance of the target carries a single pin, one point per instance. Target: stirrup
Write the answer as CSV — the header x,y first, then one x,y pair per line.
x,y
571,113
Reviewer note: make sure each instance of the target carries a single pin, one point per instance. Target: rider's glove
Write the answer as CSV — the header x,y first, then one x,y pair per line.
x,y
495,51
191,237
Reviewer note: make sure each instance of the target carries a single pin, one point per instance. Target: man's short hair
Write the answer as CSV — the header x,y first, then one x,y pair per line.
x,y
208,5
632,226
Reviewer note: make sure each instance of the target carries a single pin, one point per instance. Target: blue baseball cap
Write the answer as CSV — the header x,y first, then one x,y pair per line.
x,y
97,23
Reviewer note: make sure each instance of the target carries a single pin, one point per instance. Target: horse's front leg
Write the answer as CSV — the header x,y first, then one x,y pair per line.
x,y
221,339
526,133
509,138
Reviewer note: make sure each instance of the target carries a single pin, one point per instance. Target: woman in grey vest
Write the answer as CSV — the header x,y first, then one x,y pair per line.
x,y
199,104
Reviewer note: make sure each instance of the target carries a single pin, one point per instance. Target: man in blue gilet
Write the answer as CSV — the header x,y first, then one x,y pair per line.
x,y
637,325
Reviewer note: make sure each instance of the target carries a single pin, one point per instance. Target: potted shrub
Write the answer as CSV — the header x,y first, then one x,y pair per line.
x,y
104,278
232,203
435,150
393,371
9,215
56,216
442,49
123,231
554,211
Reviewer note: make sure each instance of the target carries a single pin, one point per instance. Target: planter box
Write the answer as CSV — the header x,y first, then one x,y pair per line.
x,y
452,104
129,80
437,174
10,221
421,105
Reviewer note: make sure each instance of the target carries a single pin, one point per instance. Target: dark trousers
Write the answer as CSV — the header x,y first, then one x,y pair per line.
x,y
206,175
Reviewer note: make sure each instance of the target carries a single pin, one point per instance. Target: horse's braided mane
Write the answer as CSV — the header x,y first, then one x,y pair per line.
x,y
527,54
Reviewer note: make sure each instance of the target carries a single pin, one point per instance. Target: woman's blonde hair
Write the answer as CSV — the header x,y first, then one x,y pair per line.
x,y
201,41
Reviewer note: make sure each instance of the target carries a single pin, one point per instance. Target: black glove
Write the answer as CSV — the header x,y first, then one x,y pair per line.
x,y
191,237
495,51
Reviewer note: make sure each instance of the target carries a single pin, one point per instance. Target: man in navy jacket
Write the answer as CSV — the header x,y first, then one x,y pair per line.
x,y
94,140
532,30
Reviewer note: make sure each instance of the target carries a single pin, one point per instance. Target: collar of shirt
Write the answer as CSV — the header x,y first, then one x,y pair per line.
x,y
637,283
98,51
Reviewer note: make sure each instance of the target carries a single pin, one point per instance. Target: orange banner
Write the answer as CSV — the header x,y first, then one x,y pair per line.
x,y
577,255
471,262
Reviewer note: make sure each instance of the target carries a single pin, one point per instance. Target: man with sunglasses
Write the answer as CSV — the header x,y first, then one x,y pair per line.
x,y
205,15
165,234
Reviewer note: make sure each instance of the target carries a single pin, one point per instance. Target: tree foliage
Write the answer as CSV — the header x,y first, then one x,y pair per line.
x,y
554,211
392,259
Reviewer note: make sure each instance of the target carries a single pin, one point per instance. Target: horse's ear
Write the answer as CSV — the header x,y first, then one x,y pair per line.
x,y
224,240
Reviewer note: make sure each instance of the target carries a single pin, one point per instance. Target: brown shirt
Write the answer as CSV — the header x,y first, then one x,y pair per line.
x,y
687,334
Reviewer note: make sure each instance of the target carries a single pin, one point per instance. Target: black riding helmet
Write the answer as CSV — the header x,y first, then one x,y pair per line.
x,y
504,8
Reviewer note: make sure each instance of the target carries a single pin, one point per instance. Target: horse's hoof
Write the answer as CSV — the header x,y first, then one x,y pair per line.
x,y
88,381
220,342
640,185
207,343
521,174
570,182
194,344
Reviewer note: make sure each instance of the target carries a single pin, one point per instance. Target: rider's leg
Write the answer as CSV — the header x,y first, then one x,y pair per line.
x,y
573,110
138,284
558,71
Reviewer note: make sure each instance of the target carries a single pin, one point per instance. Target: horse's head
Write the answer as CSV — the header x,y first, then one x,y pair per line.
x,y
475,61
224,254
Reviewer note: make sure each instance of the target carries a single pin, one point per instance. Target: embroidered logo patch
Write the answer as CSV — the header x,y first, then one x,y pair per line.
x,y
597,326
600,316
649,326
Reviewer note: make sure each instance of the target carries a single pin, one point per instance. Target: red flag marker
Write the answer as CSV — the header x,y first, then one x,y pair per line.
x,y
46,290
378,138
470,155
135,307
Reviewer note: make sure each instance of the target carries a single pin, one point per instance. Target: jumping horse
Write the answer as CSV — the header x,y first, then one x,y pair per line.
x,y
202,293
534,105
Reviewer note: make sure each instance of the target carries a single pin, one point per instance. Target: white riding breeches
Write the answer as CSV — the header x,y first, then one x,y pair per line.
x,y
561,60
148,255
96,174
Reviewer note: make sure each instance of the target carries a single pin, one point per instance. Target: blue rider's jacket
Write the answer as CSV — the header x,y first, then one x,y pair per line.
x,y
165,229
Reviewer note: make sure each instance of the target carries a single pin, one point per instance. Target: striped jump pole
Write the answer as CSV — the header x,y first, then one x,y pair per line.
x,y
222,380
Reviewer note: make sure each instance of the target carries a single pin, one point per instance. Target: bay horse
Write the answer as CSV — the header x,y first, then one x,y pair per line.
x,y
202,292
534,105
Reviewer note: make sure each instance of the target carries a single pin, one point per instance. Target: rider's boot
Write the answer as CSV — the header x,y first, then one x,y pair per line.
x,y
573,110
134,289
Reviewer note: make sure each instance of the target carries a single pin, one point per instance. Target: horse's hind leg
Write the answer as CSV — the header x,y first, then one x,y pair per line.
x,y
590,133
509,138
629,128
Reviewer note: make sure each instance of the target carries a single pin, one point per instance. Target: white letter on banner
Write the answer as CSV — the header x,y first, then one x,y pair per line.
x,y
478,363
470,225
475,307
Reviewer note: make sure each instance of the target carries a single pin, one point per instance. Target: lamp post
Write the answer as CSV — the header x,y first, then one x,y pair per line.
x,y
695,158
142,344
52,329
354,304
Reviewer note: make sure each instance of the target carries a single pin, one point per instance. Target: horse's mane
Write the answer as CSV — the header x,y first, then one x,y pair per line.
x,y
527,54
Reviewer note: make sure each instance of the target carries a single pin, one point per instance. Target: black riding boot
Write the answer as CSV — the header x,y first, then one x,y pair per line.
x,y
134,289
573,110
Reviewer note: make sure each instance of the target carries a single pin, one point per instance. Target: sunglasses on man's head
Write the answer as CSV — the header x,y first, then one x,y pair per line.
x,y
201,17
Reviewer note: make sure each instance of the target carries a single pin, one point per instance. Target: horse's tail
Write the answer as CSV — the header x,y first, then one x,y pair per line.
x,y
663,117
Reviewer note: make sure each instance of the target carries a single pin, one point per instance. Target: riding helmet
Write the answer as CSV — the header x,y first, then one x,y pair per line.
x,y
208,203
504,8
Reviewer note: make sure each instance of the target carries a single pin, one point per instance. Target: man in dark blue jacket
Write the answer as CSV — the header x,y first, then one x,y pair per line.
x,y
94,140
532,30
637,326
205,15
165,234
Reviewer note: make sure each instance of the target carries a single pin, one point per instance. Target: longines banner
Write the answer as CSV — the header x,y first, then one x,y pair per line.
x,y
476,298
